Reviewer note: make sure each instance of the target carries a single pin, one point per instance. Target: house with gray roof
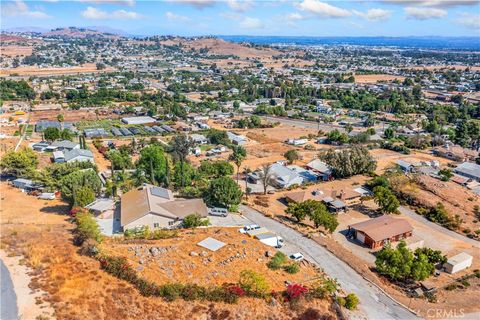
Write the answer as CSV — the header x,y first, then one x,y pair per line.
x,y
78,155
468,169
65,145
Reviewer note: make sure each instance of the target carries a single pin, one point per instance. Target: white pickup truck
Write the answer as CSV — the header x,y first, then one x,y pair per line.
x,y
270,239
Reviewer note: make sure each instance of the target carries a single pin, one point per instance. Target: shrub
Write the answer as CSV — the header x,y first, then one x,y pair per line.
x,y
292,268
341,301
326,288
87,228
119,267
170,291
351,301
253,283
278,260
192,292
451,287
295,291
195,220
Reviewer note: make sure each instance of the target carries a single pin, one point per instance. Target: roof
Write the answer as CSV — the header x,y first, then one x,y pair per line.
x,y
102,204
403,164
318,165
65,144
72,154
469,168
337,204
300,196
138,120
383,227
266,235
156,200
459,258
211,244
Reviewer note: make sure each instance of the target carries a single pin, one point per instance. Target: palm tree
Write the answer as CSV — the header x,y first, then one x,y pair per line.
x,y
181,146
246,171
239,154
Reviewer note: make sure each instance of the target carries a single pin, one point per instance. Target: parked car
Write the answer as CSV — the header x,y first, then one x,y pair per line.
x,y
297,256
221,212
251,227
47,196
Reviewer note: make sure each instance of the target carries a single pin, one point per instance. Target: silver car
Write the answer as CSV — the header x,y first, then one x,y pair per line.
x,y
220,212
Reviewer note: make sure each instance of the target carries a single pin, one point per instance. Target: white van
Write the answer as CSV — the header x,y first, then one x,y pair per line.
x,y
220,212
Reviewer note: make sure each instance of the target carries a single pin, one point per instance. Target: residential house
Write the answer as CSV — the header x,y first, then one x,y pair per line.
x,y
78,155
469,169
285,177
156,207
198,138
236,139
320,167
455,153
102,207
377,232
65,145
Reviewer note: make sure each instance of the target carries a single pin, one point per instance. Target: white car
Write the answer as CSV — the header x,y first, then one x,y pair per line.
x,y
47,196
250,227
220,212
297,256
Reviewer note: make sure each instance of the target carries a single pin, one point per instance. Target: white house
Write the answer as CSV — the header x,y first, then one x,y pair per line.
x,y
78,155
458,263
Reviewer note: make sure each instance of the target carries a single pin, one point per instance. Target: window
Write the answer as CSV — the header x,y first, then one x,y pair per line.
x,y
156,225
171,223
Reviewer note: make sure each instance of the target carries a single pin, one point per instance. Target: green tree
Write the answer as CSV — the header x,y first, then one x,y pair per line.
x,y
119,160
195,220
316,211
154,163
349,162
351,301
446,174
266,176
387,201
239,154
223,192
218,137
66,134
51,134
389,133
72,182
22,163
183,175
83,196
215,169
291,156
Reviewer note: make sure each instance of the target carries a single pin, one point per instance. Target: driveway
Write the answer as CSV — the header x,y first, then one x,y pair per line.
x,y
374,304
232,220
411,214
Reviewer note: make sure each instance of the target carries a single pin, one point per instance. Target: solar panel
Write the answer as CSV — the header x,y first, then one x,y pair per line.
x,y
159,192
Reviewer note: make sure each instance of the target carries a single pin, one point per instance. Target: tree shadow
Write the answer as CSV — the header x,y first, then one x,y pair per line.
x,y
363,209
59,209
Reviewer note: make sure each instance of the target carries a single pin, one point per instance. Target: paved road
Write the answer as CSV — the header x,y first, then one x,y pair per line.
x,y
410,213
374,304
8,298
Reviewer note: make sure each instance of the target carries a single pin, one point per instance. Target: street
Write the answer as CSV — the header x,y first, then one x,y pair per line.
x,y
374,304
8,298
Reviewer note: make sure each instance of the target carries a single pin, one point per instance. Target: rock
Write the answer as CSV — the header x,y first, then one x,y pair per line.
x,y
273,302
139,268
204,254
141,261
269,254
193,254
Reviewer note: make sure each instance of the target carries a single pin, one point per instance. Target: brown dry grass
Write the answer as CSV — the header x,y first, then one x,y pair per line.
x,y
15,50
36,71
78,289
374,78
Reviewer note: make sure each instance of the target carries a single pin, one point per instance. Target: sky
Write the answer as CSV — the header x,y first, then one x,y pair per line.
x,y
248,17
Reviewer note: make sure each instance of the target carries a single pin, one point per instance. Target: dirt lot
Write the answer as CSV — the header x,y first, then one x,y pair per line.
x,y
374,78
387,158
178,264
72,115
16,50
35,71
78,289
456,67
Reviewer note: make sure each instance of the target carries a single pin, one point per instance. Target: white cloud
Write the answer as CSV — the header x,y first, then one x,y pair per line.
x,y
19,8
374,14
434,3
199,4
129,3
176,17
424,13
251,23
240,5
294,16
97,14
469,20
323,9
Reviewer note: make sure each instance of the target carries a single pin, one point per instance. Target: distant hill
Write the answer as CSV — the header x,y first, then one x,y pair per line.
x,y
27,29
75,32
